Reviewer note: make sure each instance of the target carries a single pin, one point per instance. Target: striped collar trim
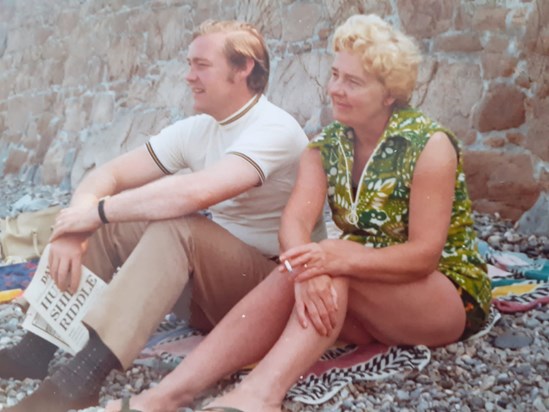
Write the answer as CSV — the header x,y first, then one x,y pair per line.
x,y
240,113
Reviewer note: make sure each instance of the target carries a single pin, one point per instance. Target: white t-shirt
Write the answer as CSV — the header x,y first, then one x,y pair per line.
x,y
261,133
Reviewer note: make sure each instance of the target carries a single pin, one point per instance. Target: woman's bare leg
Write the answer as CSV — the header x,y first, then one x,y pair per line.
x,y
243,337
295,351
428,311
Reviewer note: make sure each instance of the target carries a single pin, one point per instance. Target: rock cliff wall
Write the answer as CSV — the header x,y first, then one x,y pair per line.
x,y
84,80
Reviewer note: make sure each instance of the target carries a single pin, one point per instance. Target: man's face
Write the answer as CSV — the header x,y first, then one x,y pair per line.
x,y
210,77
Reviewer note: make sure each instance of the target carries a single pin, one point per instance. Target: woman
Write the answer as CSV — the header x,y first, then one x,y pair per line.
x,y
405,270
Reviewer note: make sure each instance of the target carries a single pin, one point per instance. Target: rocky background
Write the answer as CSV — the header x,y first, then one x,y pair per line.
x,y
84,80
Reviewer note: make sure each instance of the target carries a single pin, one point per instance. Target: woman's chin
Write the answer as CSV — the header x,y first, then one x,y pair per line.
x,y
341,119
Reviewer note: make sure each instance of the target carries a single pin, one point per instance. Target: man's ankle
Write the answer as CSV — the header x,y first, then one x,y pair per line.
x,y
83,375
51,398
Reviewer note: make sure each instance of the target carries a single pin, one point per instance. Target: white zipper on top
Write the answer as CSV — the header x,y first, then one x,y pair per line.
x,y
352,215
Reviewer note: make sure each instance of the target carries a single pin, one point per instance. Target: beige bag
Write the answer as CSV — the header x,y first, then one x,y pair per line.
x,y
24,236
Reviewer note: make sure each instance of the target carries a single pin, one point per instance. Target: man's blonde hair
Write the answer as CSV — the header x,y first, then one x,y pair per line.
x,y
386,53
243,41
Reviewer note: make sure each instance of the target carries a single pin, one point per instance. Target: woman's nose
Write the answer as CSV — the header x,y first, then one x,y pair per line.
x,y
334,87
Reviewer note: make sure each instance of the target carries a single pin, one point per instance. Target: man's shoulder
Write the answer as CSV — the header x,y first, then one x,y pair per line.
x,y
273,113
197,120
194,123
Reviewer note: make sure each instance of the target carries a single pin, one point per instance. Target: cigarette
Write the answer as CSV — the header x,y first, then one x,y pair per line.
x,y
288,266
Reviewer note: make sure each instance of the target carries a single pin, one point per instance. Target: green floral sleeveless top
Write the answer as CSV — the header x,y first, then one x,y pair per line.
x,y
377,216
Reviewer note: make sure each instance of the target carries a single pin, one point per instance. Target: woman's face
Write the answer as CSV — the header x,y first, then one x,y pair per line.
x,y
358,98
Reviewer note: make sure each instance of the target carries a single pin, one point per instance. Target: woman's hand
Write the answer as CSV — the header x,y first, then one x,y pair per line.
x,y
316,301
314,259
65,260
76,219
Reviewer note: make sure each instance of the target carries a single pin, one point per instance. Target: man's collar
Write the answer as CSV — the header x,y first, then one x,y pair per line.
x,y
241,112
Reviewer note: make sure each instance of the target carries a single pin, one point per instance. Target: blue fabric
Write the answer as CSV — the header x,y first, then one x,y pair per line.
x,y
536,269
18,275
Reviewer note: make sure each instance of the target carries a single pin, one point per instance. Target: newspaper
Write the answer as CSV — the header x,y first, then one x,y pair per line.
x,y
57,316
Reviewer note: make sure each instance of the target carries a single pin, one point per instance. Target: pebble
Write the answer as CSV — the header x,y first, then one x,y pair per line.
x,y
489,406
495,241
465,376
511,339
542,316
532,323
522,370
540,405
503,379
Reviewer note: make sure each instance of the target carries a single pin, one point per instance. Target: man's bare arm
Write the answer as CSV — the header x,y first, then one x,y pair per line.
x,y
164,198
178,195
129,170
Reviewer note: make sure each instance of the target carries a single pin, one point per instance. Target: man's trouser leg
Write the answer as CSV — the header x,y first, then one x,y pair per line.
x,y
155,269
110,246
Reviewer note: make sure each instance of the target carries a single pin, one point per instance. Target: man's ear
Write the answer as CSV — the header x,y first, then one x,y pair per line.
x,y
247,69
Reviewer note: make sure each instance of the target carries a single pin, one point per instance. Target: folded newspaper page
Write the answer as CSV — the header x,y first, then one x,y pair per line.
x,y
57,316
37,325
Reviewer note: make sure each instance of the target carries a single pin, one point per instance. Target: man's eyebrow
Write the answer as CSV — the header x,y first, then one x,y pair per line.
x,y
197,60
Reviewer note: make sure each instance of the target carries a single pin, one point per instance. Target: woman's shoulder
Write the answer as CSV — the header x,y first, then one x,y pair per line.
x,y
331,134
410,119
415,125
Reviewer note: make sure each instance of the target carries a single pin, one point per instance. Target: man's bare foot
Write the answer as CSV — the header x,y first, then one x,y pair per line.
x,y
148,401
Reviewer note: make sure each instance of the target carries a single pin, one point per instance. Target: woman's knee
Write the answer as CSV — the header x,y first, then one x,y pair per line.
x,y
341,284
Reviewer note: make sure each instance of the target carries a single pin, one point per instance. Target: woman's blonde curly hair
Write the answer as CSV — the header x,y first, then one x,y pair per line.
x,y
386,53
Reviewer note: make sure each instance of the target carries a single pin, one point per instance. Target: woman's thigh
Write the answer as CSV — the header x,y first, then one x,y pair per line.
x,y
428,311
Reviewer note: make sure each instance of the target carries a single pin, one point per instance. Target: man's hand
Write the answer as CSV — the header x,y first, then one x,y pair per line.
x,y
316,300
76,220
65,260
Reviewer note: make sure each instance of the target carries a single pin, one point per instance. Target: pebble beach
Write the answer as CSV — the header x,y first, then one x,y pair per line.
x,y
483,374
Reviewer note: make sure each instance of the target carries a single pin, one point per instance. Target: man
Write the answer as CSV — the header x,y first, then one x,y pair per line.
x,y
242,152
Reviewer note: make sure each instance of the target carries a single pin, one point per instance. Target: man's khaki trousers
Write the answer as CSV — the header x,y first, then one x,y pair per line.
x,y
156,261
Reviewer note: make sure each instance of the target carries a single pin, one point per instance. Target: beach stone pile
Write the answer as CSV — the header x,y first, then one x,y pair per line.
x,y
505,370
503,235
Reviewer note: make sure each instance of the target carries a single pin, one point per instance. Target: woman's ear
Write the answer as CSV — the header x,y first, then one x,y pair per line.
x,y
389,100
